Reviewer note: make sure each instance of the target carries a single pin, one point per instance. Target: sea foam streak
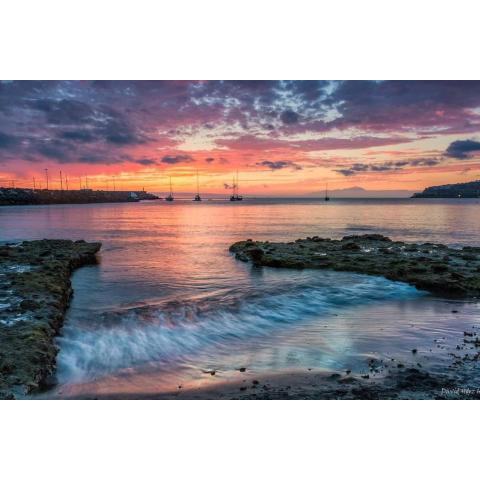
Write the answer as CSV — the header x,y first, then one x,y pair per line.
x,y
176,332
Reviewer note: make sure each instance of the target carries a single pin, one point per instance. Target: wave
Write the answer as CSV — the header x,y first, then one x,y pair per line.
x,y
175,332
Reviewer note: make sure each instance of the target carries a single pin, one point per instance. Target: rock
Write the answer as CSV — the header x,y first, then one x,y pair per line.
x,y
27,346
420,265
256,254
28,305
242,369
350,246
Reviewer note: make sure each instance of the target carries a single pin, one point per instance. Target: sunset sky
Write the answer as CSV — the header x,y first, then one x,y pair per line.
x,y
284,137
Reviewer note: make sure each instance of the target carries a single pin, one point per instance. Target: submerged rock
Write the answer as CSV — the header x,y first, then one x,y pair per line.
x,y
433,267
38,296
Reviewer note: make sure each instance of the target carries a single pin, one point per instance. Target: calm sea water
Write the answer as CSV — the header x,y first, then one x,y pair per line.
x,y
168,302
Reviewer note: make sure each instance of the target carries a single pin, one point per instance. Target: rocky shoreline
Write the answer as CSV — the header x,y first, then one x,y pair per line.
x,y
436,268
35,291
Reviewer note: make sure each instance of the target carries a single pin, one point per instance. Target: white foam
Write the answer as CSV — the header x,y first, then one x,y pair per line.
x,y
172,333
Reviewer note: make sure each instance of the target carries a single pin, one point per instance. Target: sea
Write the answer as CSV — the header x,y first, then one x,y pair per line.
x,y
169,307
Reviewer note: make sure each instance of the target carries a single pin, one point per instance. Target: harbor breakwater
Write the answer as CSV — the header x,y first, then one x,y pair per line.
x,y
25,196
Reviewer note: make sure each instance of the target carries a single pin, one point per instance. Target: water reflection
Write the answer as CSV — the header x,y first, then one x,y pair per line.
x,y
168,300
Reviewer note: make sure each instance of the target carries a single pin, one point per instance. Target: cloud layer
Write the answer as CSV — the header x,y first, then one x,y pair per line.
x,y
258,125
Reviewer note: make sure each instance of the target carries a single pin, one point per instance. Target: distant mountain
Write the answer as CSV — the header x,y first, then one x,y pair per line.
x,y
359,192
455,190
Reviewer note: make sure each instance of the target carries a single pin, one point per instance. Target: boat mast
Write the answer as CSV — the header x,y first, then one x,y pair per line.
x,y
171,187
198,186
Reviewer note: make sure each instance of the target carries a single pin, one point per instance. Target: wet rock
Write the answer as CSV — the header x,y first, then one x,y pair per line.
x,y
39,294
350,246
448,275
256,254
26,305
414,379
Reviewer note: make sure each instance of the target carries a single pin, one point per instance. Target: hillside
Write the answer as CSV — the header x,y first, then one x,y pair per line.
x,y
455,190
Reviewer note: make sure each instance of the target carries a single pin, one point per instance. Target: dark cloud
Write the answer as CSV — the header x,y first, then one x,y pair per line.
x,y
78,135
209,159
347,172
7,141
174,159
425,162
146,162
55,150
63,112
99,122
400,105
96,159
462,149
118,132
354,169
279,164
387,166
289,116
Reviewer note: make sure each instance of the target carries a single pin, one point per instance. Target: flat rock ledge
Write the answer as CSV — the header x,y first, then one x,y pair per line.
x,y
436,268
35,291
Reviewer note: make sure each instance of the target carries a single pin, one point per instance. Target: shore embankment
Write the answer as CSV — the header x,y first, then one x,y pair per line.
x,y
35,291
25,196
436,268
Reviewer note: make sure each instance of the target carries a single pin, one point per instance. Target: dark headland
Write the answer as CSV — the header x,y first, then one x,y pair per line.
x,y
26,196
454,190
35,291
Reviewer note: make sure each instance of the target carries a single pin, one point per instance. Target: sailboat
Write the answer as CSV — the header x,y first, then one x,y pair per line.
x,y
235,197
169,198
327,198
197,198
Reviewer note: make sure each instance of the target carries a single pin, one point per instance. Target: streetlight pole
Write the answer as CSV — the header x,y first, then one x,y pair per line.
x,y
46,176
